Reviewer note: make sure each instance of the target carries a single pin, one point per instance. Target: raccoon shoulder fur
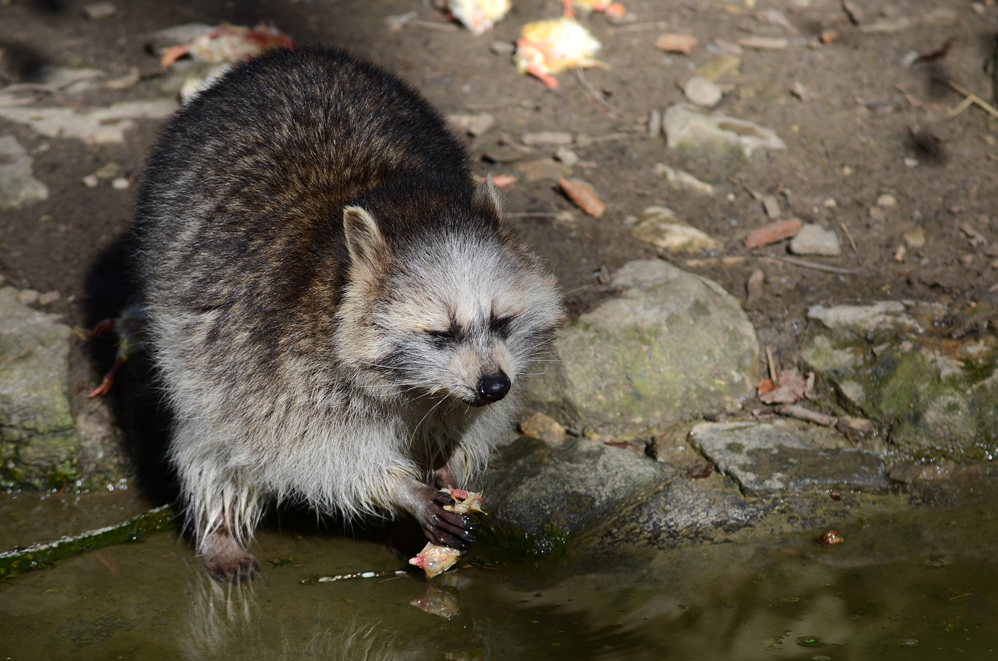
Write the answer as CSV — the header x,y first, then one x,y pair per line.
x,y
338,313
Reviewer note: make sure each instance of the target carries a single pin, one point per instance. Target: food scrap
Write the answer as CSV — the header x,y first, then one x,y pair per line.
x,y
435,559
614,9
228,43
479,16
549,47
464,501
583,195
830,538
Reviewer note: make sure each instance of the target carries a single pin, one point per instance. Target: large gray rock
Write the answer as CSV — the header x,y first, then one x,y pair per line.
x,y
774,458
672,346
545,493
37,440
18,185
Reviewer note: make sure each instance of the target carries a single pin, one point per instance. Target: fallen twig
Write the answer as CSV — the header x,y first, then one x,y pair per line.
x,y
40,556
970,98
801,413
772,368
596,97
849,236
811,265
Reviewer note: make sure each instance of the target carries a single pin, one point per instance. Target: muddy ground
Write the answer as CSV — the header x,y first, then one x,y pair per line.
x,y
847,141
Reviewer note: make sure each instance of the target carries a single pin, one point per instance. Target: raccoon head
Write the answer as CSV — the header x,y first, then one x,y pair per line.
x,y
459,313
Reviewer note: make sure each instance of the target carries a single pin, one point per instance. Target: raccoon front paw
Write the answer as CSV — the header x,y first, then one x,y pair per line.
x,y
446,528
225,560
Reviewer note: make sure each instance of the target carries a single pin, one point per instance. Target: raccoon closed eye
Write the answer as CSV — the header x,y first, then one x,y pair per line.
x,y
500,326
442,338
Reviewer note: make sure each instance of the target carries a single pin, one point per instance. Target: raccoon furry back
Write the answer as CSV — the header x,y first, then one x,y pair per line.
x,y
339,314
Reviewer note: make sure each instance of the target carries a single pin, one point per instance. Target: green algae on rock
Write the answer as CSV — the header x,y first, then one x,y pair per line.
x,y
674,345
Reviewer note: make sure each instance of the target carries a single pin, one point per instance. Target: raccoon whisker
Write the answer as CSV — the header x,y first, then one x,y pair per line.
x,y
421,420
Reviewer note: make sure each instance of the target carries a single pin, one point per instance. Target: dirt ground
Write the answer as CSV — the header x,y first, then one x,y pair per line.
x,y
863,113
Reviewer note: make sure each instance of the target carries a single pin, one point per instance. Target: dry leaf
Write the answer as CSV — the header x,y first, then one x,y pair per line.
x,y
790,390
784,229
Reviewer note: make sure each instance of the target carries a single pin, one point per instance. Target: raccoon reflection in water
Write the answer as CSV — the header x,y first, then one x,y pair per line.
x,y
339,315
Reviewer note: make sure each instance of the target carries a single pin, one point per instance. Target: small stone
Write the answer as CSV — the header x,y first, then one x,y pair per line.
x,y
899,254
676,43
48,297
885,315
18,185
689,130
702,92
545,168
846,171
120,183
877,214
830,203
887,201
654,123
660,227
474,125
829,36
108,170
718,67
681,180
545,428
772,206
90,181
567,156
547,138
915,238
27,296
502,47
911,162
99,10
815,240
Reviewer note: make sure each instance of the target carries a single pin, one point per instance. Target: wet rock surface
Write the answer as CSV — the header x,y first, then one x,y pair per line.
x,y
36,422
775,458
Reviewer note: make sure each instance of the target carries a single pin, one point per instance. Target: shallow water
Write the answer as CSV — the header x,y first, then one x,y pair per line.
x,y
921,584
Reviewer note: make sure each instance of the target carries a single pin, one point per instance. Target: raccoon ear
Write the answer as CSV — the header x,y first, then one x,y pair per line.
x,y
487,195
364,240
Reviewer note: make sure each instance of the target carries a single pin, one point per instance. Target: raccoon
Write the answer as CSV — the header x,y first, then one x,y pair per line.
x,y
339,314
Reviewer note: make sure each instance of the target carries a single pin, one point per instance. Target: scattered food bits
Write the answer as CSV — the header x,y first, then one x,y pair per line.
x,y
441,602
464,501
583,195
676,43
549,47
479,16
228,43
435,560
830,538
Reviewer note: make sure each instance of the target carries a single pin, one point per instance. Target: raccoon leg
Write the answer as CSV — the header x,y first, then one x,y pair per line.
x,y
426,504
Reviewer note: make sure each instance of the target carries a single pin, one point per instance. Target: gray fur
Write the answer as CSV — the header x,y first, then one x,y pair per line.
x,y
326,288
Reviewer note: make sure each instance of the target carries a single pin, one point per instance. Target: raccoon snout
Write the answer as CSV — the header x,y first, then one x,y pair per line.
x,y
492,388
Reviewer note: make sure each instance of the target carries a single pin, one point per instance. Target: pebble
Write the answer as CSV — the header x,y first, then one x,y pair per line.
x,y
660,227
18,185
99,10
27,296
547,138
716,68
502,47
878,214
815,240
702,92
567,156
915,238
683,180
48,297
676,43
90,181
120,183
887,200
911,162
474,125
771,206
686,129
545,428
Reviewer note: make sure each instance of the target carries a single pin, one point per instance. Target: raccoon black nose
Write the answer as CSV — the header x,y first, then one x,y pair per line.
x,y
493,387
